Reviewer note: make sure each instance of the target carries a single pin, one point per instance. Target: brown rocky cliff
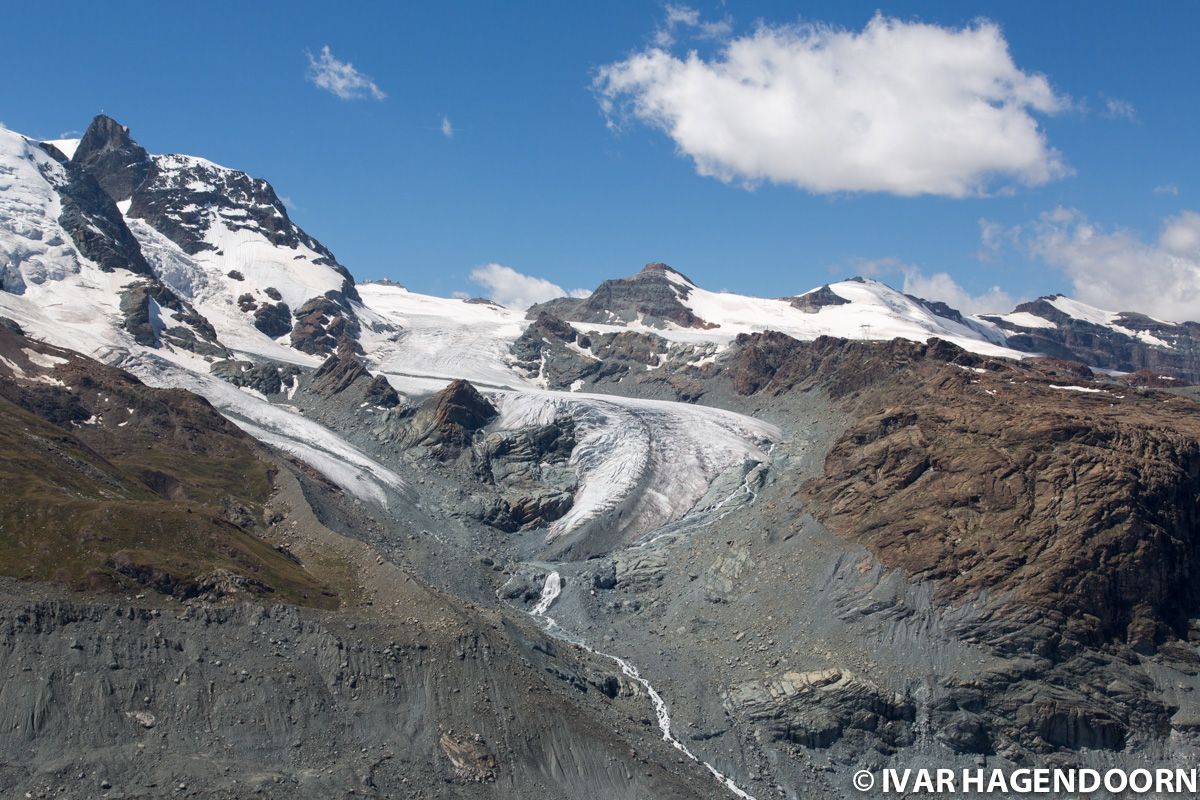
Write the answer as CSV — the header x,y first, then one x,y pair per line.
x,y
1082,506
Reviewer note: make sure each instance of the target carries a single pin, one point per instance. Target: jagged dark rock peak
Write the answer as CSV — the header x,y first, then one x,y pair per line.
x,y
108,153
651,296
175,194
1100,346
817,299
91,218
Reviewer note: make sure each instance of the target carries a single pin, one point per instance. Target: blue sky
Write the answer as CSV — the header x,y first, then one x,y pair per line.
x,y
534,178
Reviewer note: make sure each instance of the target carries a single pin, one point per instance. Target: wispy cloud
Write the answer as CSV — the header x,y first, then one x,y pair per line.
x,y
513,289
340,78
901,107
447,127
686,19
1170,189
1115,108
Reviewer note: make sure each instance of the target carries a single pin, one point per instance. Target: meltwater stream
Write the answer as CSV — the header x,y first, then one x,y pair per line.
x,y
550,592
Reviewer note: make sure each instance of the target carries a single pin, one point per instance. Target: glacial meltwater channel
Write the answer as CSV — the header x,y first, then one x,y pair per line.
x,y
550,592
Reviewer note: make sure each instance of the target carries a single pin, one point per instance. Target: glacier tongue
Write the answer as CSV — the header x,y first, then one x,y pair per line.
x,y
640,463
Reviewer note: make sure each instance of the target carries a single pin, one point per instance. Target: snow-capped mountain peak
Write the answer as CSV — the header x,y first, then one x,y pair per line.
x,y
214,246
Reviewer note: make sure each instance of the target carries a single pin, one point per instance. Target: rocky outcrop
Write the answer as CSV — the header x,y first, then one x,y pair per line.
x,y
816,709
323,322
652,296
267,377
528,469
156,316
343,372
557,353
814,301
1141,343
447,422
273,319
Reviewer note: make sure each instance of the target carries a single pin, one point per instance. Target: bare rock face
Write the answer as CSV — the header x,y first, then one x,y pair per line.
x,y
817,299
529,471
1066,509
652,296
344,372
322,322
1079,500
273,319
154,316
562,356
91,217
816,709
267,377
109,153
447,422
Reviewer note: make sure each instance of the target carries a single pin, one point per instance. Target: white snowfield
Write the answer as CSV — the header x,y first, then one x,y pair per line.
x,y
440,338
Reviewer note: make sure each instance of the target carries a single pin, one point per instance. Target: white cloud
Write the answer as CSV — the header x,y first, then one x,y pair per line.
x,y
447,127
1115,108
288,203
1118,270
340,78
940,286
900,107
513,289
1171,189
